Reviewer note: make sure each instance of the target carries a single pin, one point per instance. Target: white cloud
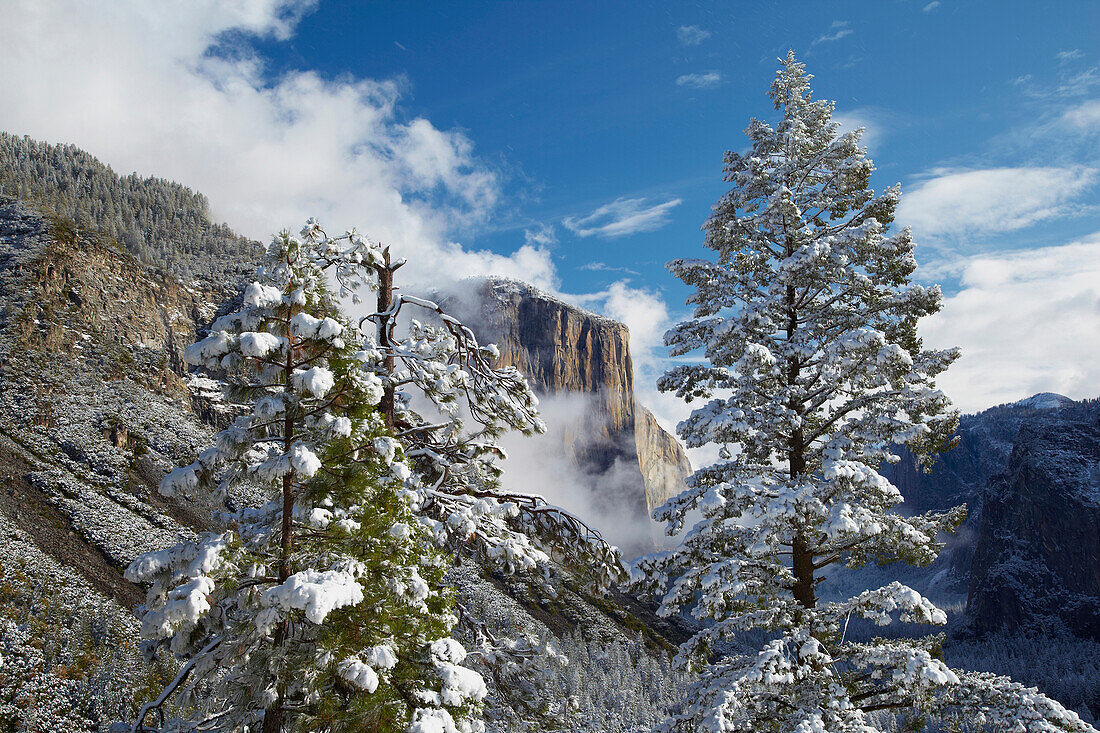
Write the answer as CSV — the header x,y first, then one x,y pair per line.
x,y
705,80
1081,83
1027,321
546,465
839,29
154,87
541,236
622,217
873,132
1071,55
604,267
691,35
1072,81
1084,117
976,202
931,6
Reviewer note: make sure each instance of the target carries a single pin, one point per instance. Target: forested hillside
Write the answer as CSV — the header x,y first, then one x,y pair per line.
x,y
97,405
162,223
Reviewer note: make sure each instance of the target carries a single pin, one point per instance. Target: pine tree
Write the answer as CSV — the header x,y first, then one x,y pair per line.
x,y
323,608
813,369
160,222
448,401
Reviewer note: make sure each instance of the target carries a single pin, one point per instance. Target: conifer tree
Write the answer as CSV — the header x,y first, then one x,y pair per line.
x,y
323,607
275,613
448,400
813,370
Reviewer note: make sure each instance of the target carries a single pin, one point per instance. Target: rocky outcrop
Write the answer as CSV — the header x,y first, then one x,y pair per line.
x,y
1029,550
562,349
664,463
959,475
1037,554
79,298
95,408
568,352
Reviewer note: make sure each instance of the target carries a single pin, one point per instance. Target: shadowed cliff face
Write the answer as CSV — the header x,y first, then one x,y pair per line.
x,y
1038,548
960,476
614,446
1029,550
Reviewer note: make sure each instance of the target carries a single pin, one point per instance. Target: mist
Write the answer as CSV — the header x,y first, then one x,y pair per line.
x,y
611,500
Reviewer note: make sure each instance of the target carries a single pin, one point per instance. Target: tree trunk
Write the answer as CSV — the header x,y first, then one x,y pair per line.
x,y
385,298
802,558
273,716
803,565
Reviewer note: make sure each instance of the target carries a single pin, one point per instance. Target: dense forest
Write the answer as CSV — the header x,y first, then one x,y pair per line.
x,y
164,224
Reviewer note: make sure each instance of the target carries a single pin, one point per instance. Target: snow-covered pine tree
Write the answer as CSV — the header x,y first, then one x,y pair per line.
x,y
448,401
323,608
813,370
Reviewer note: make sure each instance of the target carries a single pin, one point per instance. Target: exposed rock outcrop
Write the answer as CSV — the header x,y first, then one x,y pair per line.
x,y
94,403
1029,550
960,476
664,463
566,351
83,300
562,349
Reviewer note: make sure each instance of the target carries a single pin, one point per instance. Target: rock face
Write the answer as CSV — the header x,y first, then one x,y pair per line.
x,y
1038,548
663,461
565,350
94,400
960,476
1029,550
569,353
67,294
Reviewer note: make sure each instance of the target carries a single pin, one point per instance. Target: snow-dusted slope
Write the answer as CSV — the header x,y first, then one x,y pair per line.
x,y
1044,401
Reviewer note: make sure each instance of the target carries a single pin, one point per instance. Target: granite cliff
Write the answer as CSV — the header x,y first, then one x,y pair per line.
x,y
1028,550
664,463
568,352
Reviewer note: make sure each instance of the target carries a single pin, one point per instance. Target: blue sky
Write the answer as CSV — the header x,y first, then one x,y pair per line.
x,y
579,145
578,105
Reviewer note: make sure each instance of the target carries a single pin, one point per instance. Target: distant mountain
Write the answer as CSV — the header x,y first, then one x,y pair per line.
x,y
1037,554
1044,401
1029,473
627,461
